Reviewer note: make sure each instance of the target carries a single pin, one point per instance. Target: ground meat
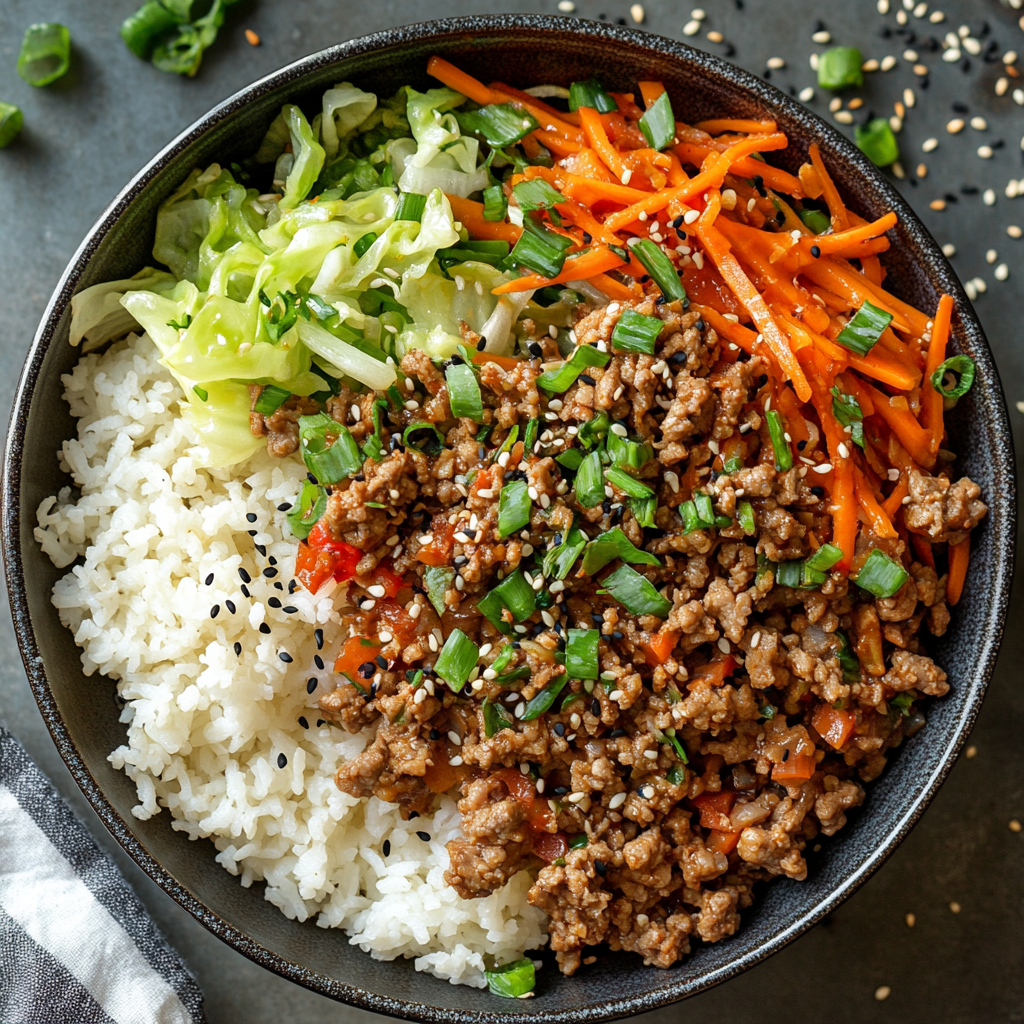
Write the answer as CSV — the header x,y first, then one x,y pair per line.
x,y
942,511
915,671
281,427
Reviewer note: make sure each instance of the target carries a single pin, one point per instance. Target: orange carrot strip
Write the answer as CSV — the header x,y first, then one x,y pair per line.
x,y
598,139
531,147
883,367
901,422
712,176
746,167
864,251
918,322
450,75
525,98
851,236
959,555
922,549
895,500
855,288
557,144
728,329
471,215
931,400
578,268
717,247
877,517
836,207
650,91
716,126
616,289
505,362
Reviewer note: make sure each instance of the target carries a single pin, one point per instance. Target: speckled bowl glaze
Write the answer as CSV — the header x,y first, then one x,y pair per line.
x,y
83,717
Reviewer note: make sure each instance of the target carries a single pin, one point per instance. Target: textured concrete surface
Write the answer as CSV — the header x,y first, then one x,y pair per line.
x,y
86,135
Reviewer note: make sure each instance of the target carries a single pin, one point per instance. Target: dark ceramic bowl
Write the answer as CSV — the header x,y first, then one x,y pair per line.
x,y
82,715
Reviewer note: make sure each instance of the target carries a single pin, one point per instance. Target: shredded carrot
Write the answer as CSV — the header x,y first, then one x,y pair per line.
x,y
931,400
895,500
615,289
527,100
598,139
458,80
879,519
650,91
842,239
471,215
836,207
959,554
728,329
577,268
726,124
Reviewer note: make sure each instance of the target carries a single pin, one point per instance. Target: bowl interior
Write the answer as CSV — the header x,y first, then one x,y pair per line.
x,y
82,713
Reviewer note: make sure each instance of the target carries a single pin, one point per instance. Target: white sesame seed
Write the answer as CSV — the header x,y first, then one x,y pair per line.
x,y
972,46
869,65
882,6
1014,231
715,37
991,256
845,117
1010,57
376,591
616,801
385,637
929,145
844,452
575,798
949,250
979,124
421,696
822,38
566,6
824,467
755,640
888,63
920,10
690,216
1002,84
988,197
952,55
813,61
723,645
636,12
626,175
985,152
775,63
1002,272
910,56
651,755
882,992
807,94
575,721
835,104
619,429
698,14
895,122
893,474
936,17
520,711
691,28
955,126
963,32
972,292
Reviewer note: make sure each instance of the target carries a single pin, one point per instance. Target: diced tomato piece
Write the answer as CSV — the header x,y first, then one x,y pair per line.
x,y
661,645
505,362
439,550
549,846
714,673
358,650
320,558
797,769
834,726
398,622
722,842
714,809
483,479
524,791
386,577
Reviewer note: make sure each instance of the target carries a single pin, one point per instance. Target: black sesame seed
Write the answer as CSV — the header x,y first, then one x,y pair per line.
x,y
587,379
303,722
815,251
320,722
251,516
252,533
285,506
270,572
318,635
381,661
264,628
785,755
272,560
616,733
595,708
245,591
367,669
596,619
281,760
617,635
600,867
238,649
386,848
289,609
209,579
318,661
230,605
534,349
818,491
587,238
274,602
960,108
459,560
312,479
261,549
311,685
285,657
279,586
293,585
559,791
559,728
801,445
215,611
425,836
246,578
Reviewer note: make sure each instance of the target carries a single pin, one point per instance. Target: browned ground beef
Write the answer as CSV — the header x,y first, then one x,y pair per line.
x,y
593,796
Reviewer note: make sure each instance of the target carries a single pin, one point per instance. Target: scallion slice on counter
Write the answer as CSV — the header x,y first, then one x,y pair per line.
x,y
544,700
495,203
961,376
438,579
636,593
840,68
824,558
591,93
500,124
514,507
495,718
581,653
513,593
636,332
457,659
861,334
11,119
880,575
540,250
558,561
557,381
410,206
777,432
362,245
45,53
621,479
464,392
815,220
536,194
141,30
847,410
310,506
271,399
328,449
659,266
611,545
877,141
658,123
745,517
590,482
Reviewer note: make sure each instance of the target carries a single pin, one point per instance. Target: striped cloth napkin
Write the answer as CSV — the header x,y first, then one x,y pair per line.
x,y
76,945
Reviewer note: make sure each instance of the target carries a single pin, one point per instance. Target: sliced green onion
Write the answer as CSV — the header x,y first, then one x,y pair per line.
x,y
11,120
410,206
558,561
676,775
45,53
506,445
847,411
362,245
438,579
429,447
500,124
643,510
570,459
659,266
824,558
877,142
309,507
962,369
659,123
201,393
590,482
543,701
591,432
625,453
840,68
513,593
864,329
733,464
880,575
789,574
540,250
495,718
536,194
777,432
271,399
495,203
530,437
328,449
745,516
464,392
636,593
636,332
591,93
557,381
581,653
705,509
280,314
141,30
816,220
691,518
514,507
505,656
677,746
373,446
621,479
457,659
611,545
902,702
579,842
847,659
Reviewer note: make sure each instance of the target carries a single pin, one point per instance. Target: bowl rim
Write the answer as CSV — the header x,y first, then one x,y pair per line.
x,y
11,513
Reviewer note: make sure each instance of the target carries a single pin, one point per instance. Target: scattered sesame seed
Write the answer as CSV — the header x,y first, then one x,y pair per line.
x,y
835,104
822,38
238,649
691,28
1014,825
929,145
955,126
985,152
882,992
1002,272
937,204
1014,231
955,907
888,63
775,63
616,801
949,250
845,117
988,197
566,6
715,37
636,12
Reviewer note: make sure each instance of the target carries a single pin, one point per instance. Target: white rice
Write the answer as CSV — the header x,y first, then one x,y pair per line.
x,y
206,728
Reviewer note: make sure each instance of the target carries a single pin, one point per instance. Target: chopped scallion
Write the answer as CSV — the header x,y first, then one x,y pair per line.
x,y
581,653
362,245
11,119
877,141
540,250
636,593
861,334
658,123
457,659
559,560
410,206
815,220
570,459
659,266
847,411
591,432
464,392
45,53
514,594
512,980
201,393
495,718
536,194
557,381
634,488
880,575
626,453
611,545
545,699
590,482
328,449
438,578
431,445
643,510
591,93
495,203
310,506
514,507
271,399
500,124
961,373
824,558
745,516
636,332
777,432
